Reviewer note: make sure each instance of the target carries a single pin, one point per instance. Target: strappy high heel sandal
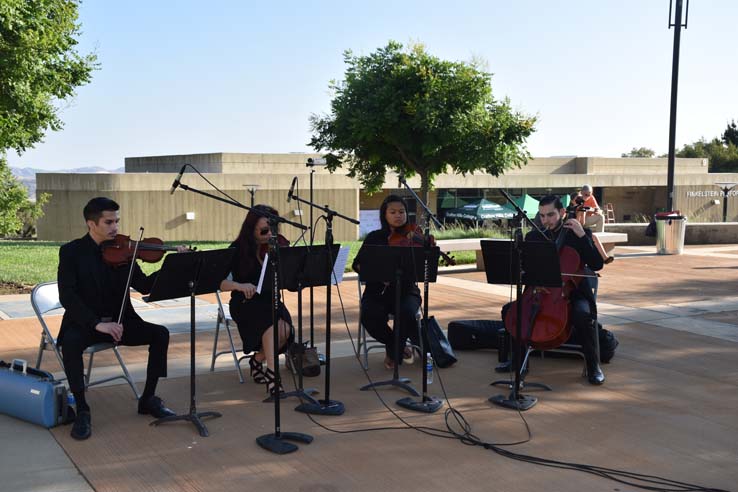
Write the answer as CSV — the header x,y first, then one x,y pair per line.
x,y
271,384
256,370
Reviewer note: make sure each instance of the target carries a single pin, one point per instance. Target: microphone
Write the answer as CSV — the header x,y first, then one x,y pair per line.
x,y
400,180
316,162
292,189
176,180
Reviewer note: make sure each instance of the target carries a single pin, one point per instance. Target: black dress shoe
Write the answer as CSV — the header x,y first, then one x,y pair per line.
x,y
154,406
82,428
595,375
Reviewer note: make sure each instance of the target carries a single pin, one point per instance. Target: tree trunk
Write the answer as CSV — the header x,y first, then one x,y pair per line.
x,y
424,195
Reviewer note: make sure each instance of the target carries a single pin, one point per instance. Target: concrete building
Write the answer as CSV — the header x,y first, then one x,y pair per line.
x,y
635,187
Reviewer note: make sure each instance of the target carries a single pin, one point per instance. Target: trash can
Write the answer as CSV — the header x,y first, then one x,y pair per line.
x,y
670,228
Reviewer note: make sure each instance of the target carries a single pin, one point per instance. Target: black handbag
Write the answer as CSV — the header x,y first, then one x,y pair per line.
x,y
438,345
309,360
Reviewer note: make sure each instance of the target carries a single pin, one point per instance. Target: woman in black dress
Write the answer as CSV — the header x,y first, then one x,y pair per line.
x,y
378,300
252,311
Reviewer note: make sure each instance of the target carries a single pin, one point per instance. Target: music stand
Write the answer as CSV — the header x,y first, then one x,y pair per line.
x,y
401,265
183,274
300,267
538,265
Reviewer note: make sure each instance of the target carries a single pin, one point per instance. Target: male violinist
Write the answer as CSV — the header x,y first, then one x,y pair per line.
x,y
583,311
91,292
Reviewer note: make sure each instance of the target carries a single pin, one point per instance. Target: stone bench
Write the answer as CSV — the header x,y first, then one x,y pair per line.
x,y
608,240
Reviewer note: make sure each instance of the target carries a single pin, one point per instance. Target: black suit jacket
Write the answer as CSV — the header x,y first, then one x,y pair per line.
x,y
90,290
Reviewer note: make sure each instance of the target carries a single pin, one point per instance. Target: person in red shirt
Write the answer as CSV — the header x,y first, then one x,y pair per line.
x,y
593,218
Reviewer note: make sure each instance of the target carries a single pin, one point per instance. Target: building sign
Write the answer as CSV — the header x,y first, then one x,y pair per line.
x,y
710,194
369,221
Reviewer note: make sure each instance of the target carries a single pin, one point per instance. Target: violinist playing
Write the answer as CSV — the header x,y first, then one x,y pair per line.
x,y
91,292
252,311
378,300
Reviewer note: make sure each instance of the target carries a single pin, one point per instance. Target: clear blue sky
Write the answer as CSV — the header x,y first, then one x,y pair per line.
x,y
182,77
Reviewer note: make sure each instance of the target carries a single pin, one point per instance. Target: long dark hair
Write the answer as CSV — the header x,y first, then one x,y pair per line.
x,y
383,210
245,239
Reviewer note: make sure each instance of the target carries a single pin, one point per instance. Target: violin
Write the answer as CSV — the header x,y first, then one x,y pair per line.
x,y
264,248
412,235
119,251
546,311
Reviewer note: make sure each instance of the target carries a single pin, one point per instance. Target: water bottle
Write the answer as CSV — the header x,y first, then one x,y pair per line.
x,y
70,399
429,369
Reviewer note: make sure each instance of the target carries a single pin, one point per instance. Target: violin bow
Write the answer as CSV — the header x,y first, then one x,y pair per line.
x,y
130,274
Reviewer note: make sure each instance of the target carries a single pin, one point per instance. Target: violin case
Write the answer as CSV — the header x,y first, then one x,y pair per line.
x,y
32,395
473,334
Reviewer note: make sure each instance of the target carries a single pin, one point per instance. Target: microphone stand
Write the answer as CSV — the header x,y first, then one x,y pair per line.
x,y
277,441
516,400
326,406
311,164
427,404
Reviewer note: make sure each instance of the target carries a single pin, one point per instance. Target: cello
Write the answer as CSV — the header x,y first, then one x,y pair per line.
x,y
546,311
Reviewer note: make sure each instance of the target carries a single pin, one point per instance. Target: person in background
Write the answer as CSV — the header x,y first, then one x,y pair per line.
x,y
578,200
593,218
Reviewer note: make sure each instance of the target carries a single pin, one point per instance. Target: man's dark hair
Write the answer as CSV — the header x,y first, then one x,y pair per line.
x,y
551,199
95,208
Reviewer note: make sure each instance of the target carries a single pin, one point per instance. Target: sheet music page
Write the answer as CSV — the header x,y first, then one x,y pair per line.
x,y
340,265
263,272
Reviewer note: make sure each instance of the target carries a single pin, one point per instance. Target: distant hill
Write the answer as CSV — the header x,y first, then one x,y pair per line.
x,y
27,175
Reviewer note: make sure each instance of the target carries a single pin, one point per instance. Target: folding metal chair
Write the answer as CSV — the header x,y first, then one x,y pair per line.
x,y
226,320
45,298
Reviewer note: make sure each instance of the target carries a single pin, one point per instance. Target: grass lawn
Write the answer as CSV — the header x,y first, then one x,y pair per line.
x,y
23,264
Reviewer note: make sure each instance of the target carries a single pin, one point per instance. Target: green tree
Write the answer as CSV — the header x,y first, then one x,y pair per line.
x,y
408,111
39,68
730,135
640,152
722,158
13,196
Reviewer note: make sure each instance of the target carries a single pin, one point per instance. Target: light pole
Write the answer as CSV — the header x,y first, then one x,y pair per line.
x,y
251,188
726,187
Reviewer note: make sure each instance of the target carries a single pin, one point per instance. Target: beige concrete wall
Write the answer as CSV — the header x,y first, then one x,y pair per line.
x,y
145,201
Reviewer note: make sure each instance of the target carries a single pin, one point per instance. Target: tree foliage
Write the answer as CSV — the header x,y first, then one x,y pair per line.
x,y
408,111
730,135
722,158
39,67
639,152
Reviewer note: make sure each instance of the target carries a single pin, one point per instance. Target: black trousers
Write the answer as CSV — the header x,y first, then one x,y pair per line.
x,y
135,332
375,313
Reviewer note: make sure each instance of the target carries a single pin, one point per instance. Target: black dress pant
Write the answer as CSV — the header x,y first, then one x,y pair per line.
x,y
135,332
375,311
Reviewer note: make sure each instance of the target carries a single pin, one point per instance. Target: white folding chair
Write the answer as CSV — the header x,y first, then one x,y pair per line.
x,y
364,346
45,298
226,320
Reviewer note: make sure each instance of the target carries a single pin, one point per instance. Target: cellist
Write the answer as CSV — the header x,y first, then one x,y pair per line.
x,y
583,311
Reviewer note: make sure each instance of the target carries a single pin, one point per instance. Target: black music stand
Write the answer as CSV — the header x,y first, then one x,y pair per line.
x,y
190,274
300,267
537,265
399,265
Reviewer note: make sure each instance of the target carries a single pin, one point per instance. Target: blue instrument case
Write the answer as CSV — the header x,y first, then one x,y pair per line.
x,y
33,395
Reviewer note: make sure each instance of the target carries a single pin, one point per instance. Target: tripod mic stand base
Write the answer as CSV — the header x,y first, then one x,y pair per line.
x,y
323,407
194,417
402,383
521,402
428,404
278,443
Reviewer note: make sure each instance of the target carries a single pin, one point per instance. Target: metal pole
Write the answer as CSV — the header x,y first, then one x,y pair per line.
x,y
673,110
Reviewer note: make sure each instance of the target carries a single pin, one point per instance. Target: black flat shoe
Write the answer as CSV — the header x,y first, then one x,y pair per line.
x,y
82,428
154,406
